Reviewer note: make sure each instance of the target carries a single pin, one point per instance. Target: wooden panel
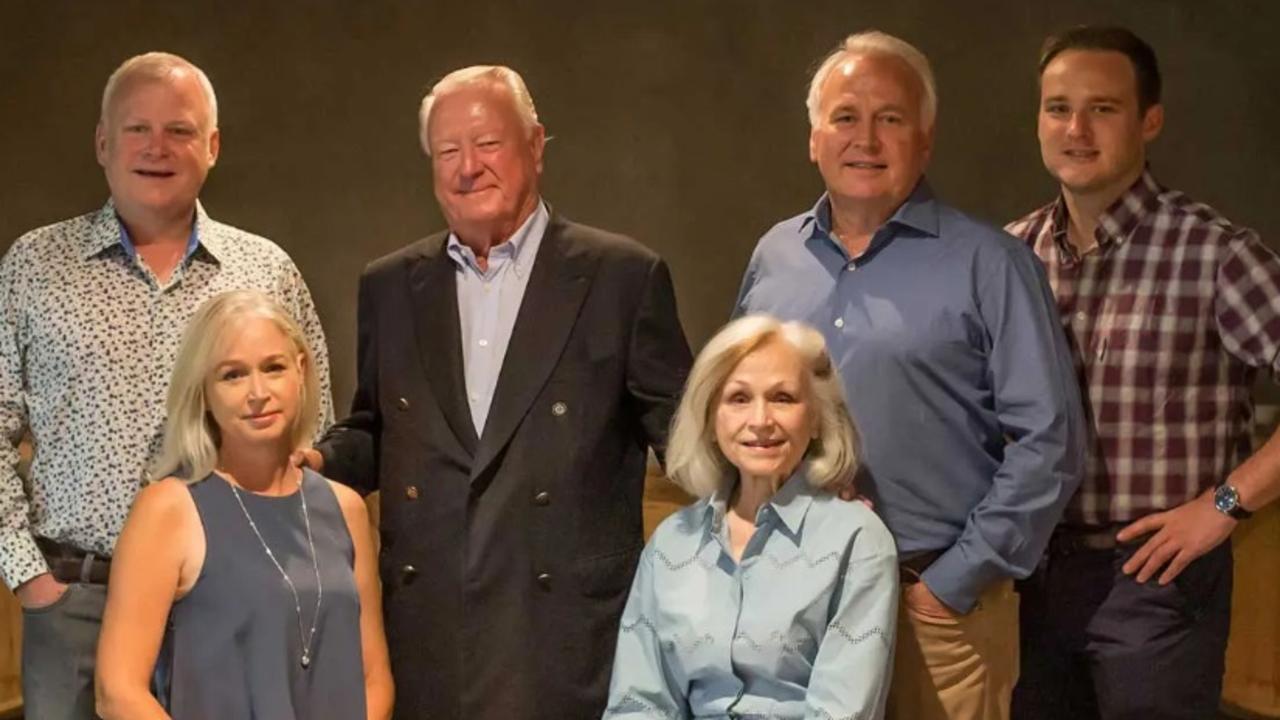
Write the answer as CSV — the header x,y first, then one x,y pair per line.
x,y
1253,653
661,498
1252,680
10,652
11,624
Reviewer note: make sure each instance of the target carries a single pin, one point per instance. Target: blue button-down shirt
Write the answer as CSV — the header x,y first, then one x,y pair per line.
x,y
802,627
488,302
958,375
126,241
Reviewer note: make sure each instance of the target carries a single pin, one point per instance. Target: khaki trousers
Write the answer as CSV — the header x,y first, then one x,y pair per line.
x,y
957,668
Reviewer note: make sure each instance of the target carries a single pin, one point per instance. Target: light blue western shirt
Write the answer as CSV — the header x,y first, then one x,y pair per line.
x,y
957,372
802,627
488,303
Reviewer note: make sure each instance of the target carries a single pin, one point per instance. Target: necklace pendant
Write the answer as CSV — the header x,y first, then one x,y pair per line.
x,y
306,660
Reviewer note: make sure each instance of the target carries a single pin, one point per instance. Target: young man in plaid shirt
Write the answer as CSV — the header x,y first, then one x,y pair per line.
x,y
1171,311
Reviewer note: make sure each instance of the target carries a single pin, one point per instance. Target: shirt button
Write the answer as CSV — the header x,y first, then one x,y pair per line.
x,y
853,265
474,397
839,322
408,573
559,409
484,343
402,403
543,498
544,581
1081,316
411,492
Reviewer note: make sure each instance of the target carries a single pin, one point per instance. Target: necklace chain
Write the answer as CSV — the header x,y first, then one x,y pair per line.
x,y
304,637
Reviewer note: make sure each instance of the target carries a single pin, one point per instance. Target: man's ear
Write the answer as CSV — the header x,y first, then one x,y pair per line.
x,y
1152,122
100,143
538,143
215,146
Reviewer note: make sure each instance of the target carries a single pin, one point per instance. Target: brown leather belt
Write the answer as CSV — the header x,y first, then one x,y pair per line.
x,y
910,570
68,564
1097,538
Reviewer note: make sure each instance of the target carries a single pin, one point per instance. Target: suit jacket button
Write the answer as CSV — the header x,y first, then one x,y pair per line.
x,y
408,573
402,403
544,581
411,492
559,409
543,498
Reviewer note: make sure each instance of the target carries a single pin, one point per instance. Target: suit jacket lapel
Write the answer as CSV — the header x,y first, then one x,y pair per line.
x,y
557,287
434,295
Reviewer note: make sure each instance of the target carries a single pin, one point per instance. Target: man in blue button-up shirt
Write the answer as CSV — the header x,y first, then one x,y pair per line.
x,y
956,369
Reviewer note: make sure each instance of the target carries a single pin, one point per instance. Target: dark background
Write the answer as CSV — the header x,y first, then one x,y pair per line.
x,y
681,123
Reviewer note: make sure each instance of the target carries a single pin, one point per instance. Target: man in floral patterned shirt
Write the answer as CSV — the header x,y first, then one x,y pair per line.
x,y
91,312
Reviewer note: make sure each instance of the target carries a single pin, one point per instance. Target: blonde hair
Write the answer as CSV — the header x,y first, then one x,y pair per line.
x,y
499,75
694,460
191,437
874,42
157,66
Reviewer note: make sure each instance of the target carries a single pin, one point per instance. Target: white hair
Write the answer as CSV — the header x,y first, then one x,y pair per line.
x,y
874,42
497,74
695,461
157,66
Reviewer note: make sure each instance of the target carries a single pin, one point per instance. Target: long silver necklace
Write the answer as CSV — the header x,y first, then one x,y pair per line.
x,y
306,638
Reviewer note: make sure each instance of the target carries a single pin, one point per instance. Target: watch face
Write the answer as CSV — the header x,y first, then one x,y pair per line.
x,y
1226,498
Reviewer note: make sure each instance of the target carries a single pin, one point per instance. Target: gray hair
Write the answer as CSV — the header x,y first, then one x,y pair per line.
x,y
497,74
191,437
157,66
694,460
874,42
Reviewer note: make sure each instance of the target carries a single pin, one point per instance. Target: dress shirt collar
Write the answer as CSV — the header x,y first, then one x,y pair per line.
x,y
108,231
1116,224
918,212
790,504
521,249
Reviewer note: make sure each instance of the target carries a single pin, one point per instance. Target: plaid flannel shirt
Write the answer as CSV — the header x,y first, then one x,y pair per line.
x,y
1169,320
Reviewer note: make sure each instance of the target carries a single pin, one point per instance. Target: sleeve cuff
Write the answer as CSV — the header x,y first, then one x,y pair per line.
x,y
21,559
956,581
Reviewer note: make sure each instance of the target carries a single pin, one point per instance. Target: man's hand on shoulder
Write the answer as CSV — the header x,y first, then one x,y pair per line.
x,y
1178,537
308,457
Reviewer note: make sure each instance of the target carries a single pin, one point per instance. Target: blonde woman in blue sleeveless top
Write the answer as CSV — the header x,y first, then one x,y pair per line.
x,y
264,573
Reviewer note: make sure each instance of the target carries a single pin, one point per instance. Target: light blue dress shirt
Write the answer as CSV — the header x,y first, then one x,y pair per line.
x,y
488,303
802,627
957,372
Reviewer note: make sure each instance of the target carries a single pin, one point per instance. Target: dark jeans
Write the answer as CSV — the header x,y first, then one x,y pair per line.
x,y
58,647
1096,644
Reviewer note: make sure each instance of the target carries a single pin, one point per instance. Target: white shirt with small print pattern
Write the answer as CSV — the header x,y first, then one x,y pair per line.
x,y
88,337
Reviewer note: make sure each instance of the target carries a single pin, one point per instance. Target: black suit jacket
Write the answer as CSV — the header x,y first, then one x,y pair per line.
x,y
506,558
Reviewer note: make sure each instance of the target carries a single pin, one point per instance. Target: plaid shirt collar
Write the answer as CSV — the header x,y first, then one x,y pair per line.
x,y
1117,222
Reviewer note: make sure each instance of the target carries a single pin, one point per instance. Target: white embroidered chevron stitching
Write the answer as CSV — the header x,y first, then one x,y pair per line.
x,y
672,565
643,704
667,643
828,716
800,555
862,637
776,639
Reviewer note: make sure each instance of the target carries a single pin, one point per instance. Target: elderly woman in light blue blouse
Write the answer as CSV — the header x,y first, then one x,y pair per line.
x,y
770,597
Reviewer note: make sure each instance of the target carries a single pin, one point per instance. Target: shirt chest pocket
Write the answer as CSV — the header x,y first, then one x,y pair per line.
x,y
1138,347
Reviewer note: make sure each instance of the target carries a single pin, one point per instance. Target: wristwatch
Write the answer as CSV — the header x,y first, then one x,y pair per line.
x,y
1227,500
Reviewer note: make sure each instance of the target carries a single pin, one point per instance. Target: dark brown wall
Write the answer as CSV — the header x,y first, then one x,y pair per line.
x,y
681,122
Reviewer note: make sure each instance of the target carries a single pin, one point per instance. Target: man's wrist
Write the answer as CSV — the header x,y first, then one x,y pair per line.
x,y
1226,499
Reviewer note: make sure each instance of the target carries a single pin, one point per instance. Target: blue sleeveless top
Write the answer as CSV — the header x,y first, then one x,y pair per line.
x,y
235,646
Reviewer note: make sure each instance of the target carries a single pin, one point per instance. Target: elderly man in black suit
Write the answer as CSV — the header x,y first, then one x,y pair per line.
x,y
512,373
